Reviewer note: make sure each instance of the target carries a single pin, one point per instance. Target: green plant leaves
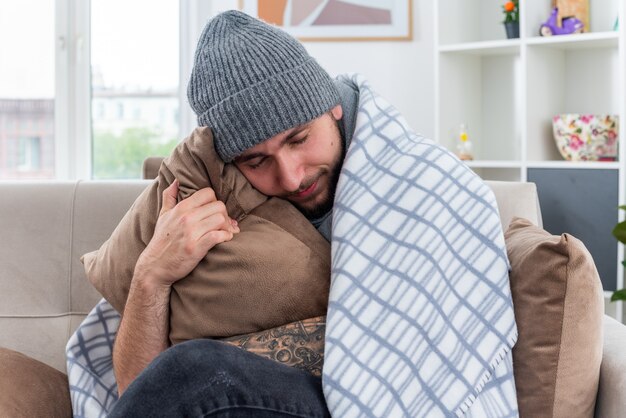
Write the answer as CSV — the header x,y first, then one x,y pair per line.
x,y
619,232
618,295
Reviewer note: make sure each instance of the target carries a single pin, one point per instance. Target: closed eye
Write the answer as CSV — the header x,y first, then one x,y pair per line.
x,y
257,163
299,140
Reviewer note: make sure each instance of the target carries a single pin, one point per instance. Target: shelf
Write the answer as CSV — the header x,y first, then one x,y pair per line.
x,y
512,46
507,91
590,165
577,41
504,47
562,81
481,82
493,164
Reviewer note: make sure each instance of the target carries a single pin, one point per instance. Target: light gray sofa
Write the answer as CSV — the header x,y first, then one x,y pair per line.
x,y
45,227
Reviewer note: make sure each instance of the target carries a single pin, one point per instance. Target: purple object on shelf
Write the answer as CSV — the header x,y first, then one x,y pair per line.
x,y
569,25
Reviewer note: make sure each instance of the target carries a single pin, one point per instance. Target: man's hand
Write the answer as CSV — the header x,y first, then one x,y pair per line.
x,y
183,235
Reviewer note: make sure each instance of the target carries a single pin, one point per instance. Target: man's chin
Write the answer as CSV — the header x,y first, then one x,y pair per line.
x,y
314,211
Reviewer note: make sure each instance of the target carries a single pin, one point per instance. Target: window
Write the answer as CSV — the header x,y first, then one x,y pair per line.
x,y
27,90
134,65
97,81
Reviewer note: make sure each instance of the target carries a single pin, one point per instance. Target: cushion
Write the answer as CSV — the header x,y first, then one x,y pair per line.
x,y
275,271
559,305
30,388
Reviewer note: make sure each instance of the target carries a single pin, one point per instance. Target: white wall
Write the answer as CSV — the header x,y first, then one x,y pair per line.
x,y
401,71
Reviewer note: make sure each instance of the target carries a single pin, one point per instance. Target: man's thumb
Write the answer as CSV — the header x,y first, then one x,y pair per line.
x,y
170,196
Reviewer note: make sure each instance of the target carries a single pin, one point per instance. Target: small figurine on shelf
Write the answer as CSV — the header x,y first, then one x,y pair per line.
x,y
465,145
568,25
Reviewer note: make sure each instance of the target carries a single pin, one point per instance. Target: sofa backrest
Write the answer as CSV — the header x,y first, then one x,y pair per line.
x,y
47,226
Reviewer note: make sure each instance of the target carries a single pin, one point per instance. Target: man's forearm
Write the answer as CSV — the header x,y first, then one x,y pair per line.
x,y
184,233
143,331
299,344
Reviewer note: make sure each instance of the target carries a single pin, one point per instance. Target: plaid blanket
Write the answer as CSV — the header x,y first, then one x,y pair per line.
x,y
89,355
420,319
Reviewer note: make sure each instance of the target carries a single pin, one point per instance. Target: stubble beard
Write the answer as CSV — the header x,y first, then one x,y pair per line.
x,y
326,205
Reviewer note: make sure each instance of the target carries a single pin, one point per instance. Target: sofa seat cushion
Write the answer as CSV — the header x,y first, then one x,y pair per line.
x,y
559,304
30,388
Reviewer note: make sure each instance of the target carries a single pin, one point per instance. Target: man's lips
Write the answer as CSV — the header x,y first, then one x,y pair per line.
x,y
307,192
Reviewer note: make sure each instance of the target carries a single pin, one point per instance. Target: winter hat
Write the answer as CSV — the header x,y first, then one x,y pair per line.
x,y
251,81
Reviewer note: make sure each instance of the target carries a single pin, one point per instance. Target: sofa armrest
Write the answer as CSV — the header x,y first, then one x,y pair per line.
x,y
516,199
611,400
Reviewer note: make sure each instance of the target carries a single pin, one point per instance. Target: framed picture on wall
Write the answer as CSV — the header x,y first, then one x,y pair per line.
x,y
336,20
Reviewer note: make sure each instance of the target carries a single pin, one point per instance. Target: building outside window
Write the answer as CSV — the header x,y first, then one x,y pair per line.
x,y
29,153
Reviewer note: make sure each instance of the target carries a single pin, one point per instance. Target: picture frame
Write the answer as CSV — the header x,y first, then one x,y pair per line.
x,y
337,20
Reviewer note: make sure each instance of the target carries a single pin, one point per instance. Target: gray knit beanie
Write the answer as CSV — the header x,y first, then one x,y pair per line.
x,y
251,81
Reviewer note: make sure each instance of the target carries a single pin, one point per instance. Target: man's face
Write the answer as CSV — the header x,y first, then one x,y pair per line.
x,y
300,165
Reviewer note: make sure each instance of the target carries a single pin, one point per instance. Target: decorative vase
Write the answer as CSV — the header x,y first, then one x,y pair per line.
x,y
512,29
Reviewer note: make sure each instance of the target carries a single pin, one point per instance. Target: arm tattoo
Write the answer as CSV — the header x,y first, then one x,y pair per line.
x,y
299,344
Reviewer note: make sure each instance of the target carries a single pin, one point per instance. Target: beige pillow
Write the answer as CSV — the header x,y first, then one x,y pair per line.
x,y
31,389
559,304
275,271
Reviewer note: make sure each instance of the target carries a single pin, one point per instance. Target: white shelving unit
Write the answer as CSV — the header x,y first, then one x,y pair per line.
x,y
507,90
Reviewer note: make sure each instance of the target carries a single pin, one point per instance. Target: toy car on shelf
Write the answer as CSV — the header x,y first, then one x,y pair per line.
x,y
568,25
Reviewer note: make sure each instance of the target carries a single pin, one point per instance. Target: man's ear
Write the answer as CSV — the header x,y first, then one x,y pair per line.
x,y
337,112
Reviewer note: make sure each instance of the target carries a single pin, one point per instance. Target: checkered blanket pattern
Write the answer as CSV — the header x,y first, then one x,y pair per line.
x,y
420,319
89,355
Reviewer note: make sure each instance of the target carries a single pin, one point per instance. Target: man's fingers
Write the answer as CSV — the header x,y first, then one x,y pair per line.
x,y
200,198
212,238
170,197
216,222
235,226
216,210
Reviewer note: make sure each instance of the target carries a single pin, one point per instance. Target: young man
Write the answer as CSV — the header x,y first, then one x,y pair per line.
x,y
420,315
285,124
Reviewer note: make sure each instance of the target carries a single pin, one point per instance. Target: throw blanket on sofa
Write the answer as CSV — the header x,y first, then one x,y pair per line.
x,y
420,319
89,355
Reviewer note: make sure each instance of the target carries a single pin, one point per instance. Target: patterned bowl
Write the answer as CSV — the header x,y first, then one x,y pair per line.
x,y
586,137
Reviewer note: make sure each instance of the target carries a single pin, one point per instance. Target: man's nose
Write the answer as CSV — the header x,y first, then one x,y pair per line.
x,y
290,173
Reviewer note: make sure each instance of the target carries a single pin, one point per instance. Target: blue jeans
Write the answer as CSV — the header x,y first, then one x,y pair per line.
x,y
207,378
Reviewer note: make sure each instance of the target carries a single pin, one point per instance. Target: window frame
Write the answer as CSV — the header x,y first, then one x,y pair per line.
x,y
73,101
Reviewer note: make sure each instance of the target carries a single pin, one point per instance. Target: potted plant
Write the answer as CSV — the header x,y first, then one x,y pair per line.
x,y
511,18
619,232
